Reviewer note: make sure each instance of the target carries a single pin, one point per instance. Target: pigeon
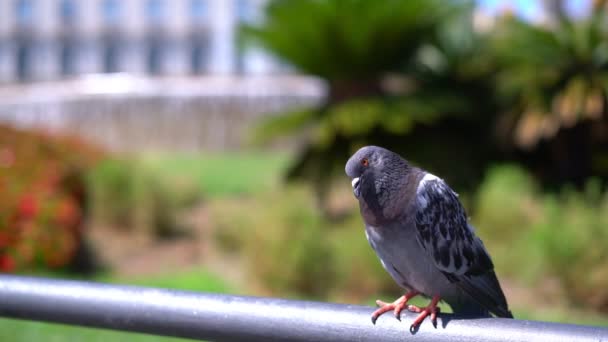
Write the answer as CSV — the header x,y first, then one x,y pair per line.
x,y
420,232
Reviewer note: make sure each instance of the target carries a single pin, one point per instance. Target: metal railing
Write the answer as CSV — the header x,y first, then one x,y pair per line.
x,y
237,318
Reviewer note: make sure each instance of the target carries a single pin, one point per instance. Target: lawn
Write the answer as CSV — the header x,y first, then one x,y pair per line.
x,y
18,331
222,174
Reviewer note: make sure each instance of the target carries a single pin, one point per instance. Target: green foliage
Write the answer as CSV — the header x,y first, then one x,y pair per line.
x,y
532,236
282,240
552,76
114,191
505,202
129,195
573,237
290,249
150,193
346,39
356,118
431,70
506,209
359,274
43,200
26,331
519,91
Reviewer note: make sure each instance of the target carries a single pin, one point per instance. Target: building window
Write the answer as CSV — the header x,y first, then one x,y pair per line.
x,y
24,61
155,58
243,10
68,59
111,11
156,11
111,57
24,11
198,9
67,11
199,59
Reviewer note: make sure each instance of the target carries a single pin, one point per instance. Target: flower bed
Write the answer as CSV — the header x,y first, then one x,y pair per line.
x,y
42,198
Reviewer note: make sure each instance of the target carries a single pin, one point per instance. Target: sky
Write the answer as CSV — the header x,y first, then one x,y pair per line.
x,y
532,9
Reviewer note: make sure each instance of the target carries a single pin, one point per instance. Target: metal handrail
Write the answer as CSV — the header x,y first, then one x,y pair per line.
x,y
238,318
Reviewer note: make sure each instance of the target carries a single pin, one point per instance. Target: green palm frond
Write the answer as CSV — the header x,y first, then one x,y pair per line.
x,y
346,39
555,74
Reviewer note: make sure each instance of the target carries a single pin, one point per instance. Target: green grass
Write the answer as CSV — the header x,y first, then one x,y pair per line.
x,y
26,331
190,280
222,174
16,331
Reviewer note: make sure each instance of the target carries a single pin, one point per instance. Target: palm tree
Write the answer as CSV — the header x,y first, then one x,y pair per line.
x,y
554,83
348,43
368,52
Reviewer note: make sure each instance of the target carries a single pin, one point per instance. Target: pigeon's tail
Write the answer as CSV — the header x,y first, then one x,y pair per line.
x,y
468,308
485,290
508,315
473,309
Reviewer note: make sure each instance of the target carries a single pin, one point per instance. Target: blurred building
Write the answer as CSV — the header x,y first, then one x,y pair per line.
x,y
55,39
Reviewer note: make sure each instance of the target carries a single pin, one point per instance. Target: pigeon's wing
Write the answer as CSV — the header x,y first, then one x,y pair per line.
x,y
445,234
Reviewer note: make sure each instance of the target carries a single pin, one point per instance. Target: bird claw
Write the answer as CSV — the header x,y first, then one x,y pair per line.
x,y
414,308
431,310
396,306
383,307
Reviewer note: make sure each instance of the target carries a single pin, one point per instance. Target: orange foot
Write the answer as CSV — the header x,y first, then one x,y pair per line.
x,y
431,309
397,306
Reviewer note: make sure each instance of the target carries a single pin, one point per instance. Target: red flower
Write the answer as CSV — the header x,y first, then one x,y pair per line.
x,y
67,213
28,207
7,264
4,239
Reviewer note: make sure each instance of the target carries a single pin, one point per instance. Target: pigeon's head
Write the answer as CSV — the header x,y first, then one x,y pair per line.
x,y
371,166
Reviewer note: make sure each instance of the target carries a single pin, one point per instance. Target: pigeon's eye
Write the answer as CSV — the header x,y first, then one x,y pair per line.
x,y
364,162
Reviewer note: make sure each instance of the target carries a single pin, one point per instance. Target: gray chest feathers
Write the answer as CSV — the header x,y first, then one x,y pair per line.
x,y
405,260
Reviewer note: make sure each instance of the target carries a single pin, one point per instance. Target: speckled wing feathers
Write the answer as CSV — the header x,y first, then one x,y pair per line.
x,y
445,234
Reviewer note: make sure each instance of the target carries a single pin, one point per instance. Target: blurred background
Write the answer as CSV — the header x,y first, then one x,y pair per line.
x,y
200,144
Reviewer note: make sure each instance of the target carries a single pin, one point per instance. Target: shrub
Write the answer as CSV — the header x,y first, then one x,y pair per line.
x,y
130,195
281,236
573,237
43,200
114,192
507,203
359,274
290,248
532,236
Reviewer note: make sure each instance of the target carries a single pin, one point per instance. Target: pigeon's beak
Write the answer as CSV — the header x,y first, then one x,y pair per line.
x,y
355,183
